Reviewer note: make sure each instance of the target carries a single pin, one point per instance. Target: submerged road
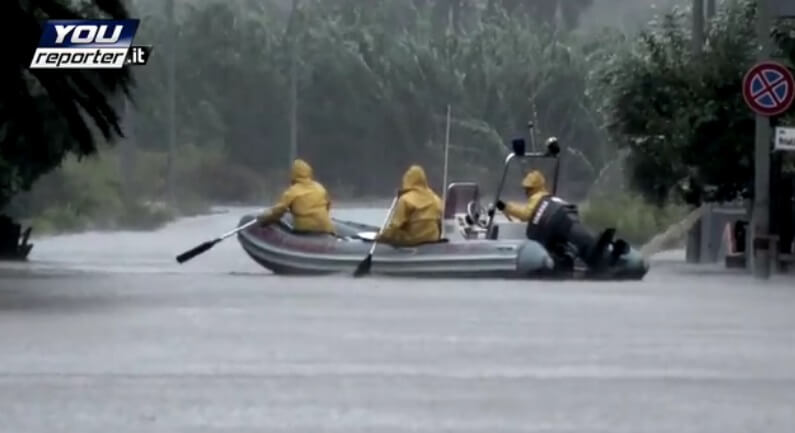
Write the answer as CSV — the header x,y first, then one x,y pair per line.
x,y
106,333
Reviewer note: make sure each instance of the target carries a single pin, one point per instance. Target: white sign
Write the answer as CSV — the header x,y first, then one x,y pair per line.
x,y
785,138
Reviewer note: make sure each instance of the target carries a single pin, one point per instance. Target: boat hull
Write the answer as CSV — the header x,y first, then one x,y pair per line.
x,y
282,251
277,248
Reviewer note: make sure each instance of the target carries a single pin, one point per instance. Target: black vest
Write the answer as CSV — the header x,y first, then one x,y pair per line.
x,y
551,220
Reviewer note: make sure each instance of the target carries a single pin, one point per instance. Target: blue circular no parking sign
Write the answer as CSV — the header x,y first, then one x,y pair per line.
x,y
769,88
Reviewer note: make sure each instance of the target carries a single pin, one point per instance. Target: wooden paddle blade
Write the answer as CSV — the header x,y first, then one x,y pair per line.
x,y
364,266
187,255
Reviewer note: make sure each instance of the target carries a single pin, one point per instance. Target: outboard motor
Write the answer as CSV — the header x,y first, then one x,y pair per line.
x,y
556,225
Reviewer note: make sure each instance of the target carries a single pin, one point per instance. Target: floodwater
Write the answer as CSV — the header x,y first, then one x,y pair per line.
x,y
104,332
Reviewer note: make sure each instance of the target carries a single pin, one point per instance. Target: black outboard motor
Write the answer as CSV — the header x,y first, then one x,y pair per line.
x,y
556,225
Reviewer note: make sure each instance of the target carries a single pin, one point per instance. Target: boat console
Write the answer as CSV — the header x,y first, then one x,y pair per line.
x,y
465,218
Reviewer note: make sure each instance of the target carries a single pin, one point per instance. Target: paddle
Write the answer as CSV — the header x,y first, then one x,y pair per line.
x,y
201,248
367,263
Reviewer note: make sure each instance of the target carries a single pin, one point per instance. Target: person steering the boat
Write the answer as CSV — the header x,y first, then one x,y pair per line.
x,y
417,218
555,223
535,187
306,199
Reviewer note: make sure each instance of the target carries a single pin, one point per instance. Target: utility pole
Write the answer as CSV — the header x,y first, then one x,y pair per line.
x,y
693,248
127,152
171,113
760,226
698,26
127,146
293,44
711,10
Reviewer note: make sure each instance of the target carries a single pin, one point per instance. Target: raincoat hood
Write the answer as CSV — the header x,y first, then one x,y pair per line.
x,y
534,181
301,171
414,178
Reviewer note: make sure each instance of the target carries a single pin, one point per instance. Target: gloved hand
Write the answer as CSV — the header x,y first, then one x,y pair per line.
x,y
500,205
490,212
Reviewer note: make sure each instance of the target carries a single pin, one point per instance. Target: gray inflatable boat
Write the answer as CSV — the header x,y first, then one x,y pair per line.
x,y
470,246
464,252
278,248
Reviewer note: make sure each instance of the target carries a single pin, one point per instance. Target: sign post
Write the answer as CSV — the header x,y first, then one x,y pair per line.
x,y
768,91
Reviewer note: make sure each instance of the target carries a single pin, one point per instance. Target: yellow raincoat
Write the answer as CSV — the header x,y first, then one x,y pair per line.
x,y
535,186
307,200
417,218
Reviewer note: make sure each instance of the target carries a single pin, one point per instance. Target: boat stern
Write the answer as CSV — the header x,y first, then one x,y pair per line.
x,y
629,266
532,258
632,265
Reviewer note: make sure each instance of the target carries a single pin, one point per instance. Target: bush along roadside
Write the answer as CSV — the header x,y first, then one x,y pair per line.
x,y
635,219
90,195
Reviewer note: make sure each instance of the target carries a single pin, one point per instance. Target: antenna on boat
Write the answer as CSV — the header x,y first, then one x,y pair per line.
x,y
444,175
446,152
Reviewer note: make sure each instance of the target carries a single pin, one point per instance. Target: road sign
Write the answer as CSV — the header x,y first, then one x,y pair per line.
x,y
785,138
769,88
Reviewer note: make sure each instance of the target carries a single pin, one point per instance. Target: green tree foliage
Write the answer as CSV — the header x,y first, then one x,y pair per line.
x,y
682,114
546,11
375,77
45,114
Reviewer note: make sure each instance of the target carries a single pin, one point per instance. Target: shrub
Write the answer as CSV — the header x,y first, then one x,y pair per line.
x,y
635,219
145,216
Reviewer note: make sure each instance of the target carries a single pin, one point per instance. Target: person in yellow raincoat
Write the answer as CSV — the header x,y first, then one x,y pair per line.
x,y
535,187
555,223
417,218
306,199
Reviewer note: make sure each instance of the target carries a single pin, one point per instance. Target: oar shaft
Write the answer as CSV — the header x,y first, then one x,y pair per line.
x,y
499,190
383,225
364,265
203,247
243,227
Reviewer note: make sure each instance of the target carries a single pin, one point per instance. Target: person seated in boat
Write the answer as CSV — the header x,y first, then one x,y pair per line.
x,y
554,223
306,199
535,187
417,218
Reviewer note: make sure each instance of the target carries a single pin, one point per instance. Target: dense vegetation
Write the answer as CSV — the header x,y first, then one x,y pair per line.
x,y
681,112
44,113
373,80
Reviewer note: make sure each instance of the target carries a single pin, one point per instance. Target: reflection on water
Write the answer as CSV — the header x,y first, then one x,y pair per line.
x,y
155,251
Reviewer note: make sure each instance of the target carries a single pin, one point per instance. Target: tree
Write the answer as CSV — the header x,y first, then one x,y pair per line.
x,y
391,86
682,116
546,11
49,114
374,79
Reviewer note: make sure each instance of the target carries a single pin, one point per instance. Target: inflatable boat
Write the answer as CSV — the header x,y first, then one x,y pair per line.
x,y
460,254
470,246
278,248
